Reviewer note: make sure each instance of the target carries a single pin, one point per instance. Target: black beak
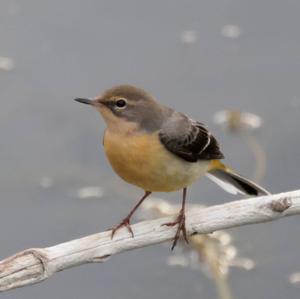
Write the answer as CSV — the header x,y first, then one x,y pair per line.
x,y
84,101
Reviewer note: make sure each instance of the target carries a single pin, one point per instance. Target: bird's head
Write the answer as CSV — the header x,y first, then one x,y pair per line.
x,y
127,105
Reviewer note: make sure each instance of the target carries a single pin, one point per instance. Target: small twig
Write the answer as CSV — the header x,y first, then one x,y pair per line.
x,y
259,155
34,265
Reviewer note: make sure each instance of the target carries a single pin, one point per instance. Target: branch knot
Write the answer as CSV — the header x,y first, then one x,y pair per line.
x,y
281,204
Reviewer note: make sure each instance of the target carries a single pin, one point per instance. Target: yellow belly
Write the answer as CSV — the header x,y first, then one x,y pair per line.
x,y
143,161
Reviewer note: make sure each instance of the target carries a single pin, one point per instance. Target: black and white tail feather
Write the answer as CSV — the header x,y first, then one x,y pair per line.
x,y
191,141
234,183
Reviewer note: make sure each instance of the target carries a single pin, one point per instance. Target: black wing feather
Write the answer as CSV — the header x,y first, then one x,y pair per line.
x,y
189,139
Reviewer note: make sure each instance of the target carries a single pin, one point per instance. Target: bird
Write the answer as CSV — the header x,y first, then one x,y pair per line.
x,y
159,149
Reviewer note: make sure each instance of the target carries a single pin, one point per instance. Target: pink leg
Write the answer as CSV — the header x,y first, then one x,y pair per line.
x,y
180,220
126,221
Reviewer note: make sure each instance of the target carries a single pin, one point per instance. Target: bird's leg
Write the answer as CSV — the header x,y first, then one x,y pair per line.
x,y
126,221
180,220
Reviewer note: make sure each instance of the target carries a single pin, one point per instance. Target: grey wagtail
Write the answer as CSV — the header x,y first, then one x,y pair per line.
x,y
161,150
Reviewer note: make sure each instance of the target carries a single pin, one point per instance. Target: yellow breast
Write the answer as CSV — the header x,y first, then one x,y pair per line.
x,y
142,160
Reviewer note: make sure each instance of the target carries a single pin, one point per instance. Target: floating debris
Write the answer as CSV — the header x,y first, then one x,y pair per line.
x,y
235,121
214,253
46,182
243,123
244,263
188,37
178,260
216,246
6,63
295,278
231,31
90,192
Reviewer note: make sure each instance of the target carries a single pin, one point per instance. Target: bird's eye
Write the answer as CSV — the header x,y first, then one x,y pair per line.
x,y
121,103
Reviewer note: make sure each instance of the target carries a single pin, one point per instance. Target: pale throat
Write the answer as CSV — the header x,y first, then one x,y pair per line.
x,y
118,125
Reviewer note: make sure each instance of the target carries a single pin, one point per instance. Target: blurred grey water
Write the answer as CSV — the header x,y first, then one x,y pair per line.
x,y
51,146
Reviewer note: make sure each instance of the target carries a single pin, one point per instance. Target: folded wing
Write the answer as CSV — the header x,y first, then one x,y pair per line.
x,y
189,139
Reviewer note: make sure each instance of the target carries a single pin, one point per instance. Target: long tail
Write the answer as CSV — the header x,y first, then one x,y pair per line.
x,y
232,182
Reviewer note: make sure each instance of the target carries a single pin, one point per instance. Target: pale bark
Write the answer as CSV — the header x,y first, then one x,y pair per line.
x,y
37,264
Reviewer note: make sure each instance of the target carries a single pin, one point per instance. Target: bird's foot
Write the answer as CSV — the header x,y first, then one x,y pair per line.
x,y
180,221
124,223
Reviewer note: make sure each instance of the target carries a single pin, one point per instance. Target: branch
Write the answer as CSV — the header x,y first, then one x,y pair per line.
x,y
37,264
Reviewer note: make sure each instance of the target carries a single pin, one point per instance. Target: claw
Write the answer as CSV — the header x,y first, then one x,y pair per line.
x,y
180,221
125,222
